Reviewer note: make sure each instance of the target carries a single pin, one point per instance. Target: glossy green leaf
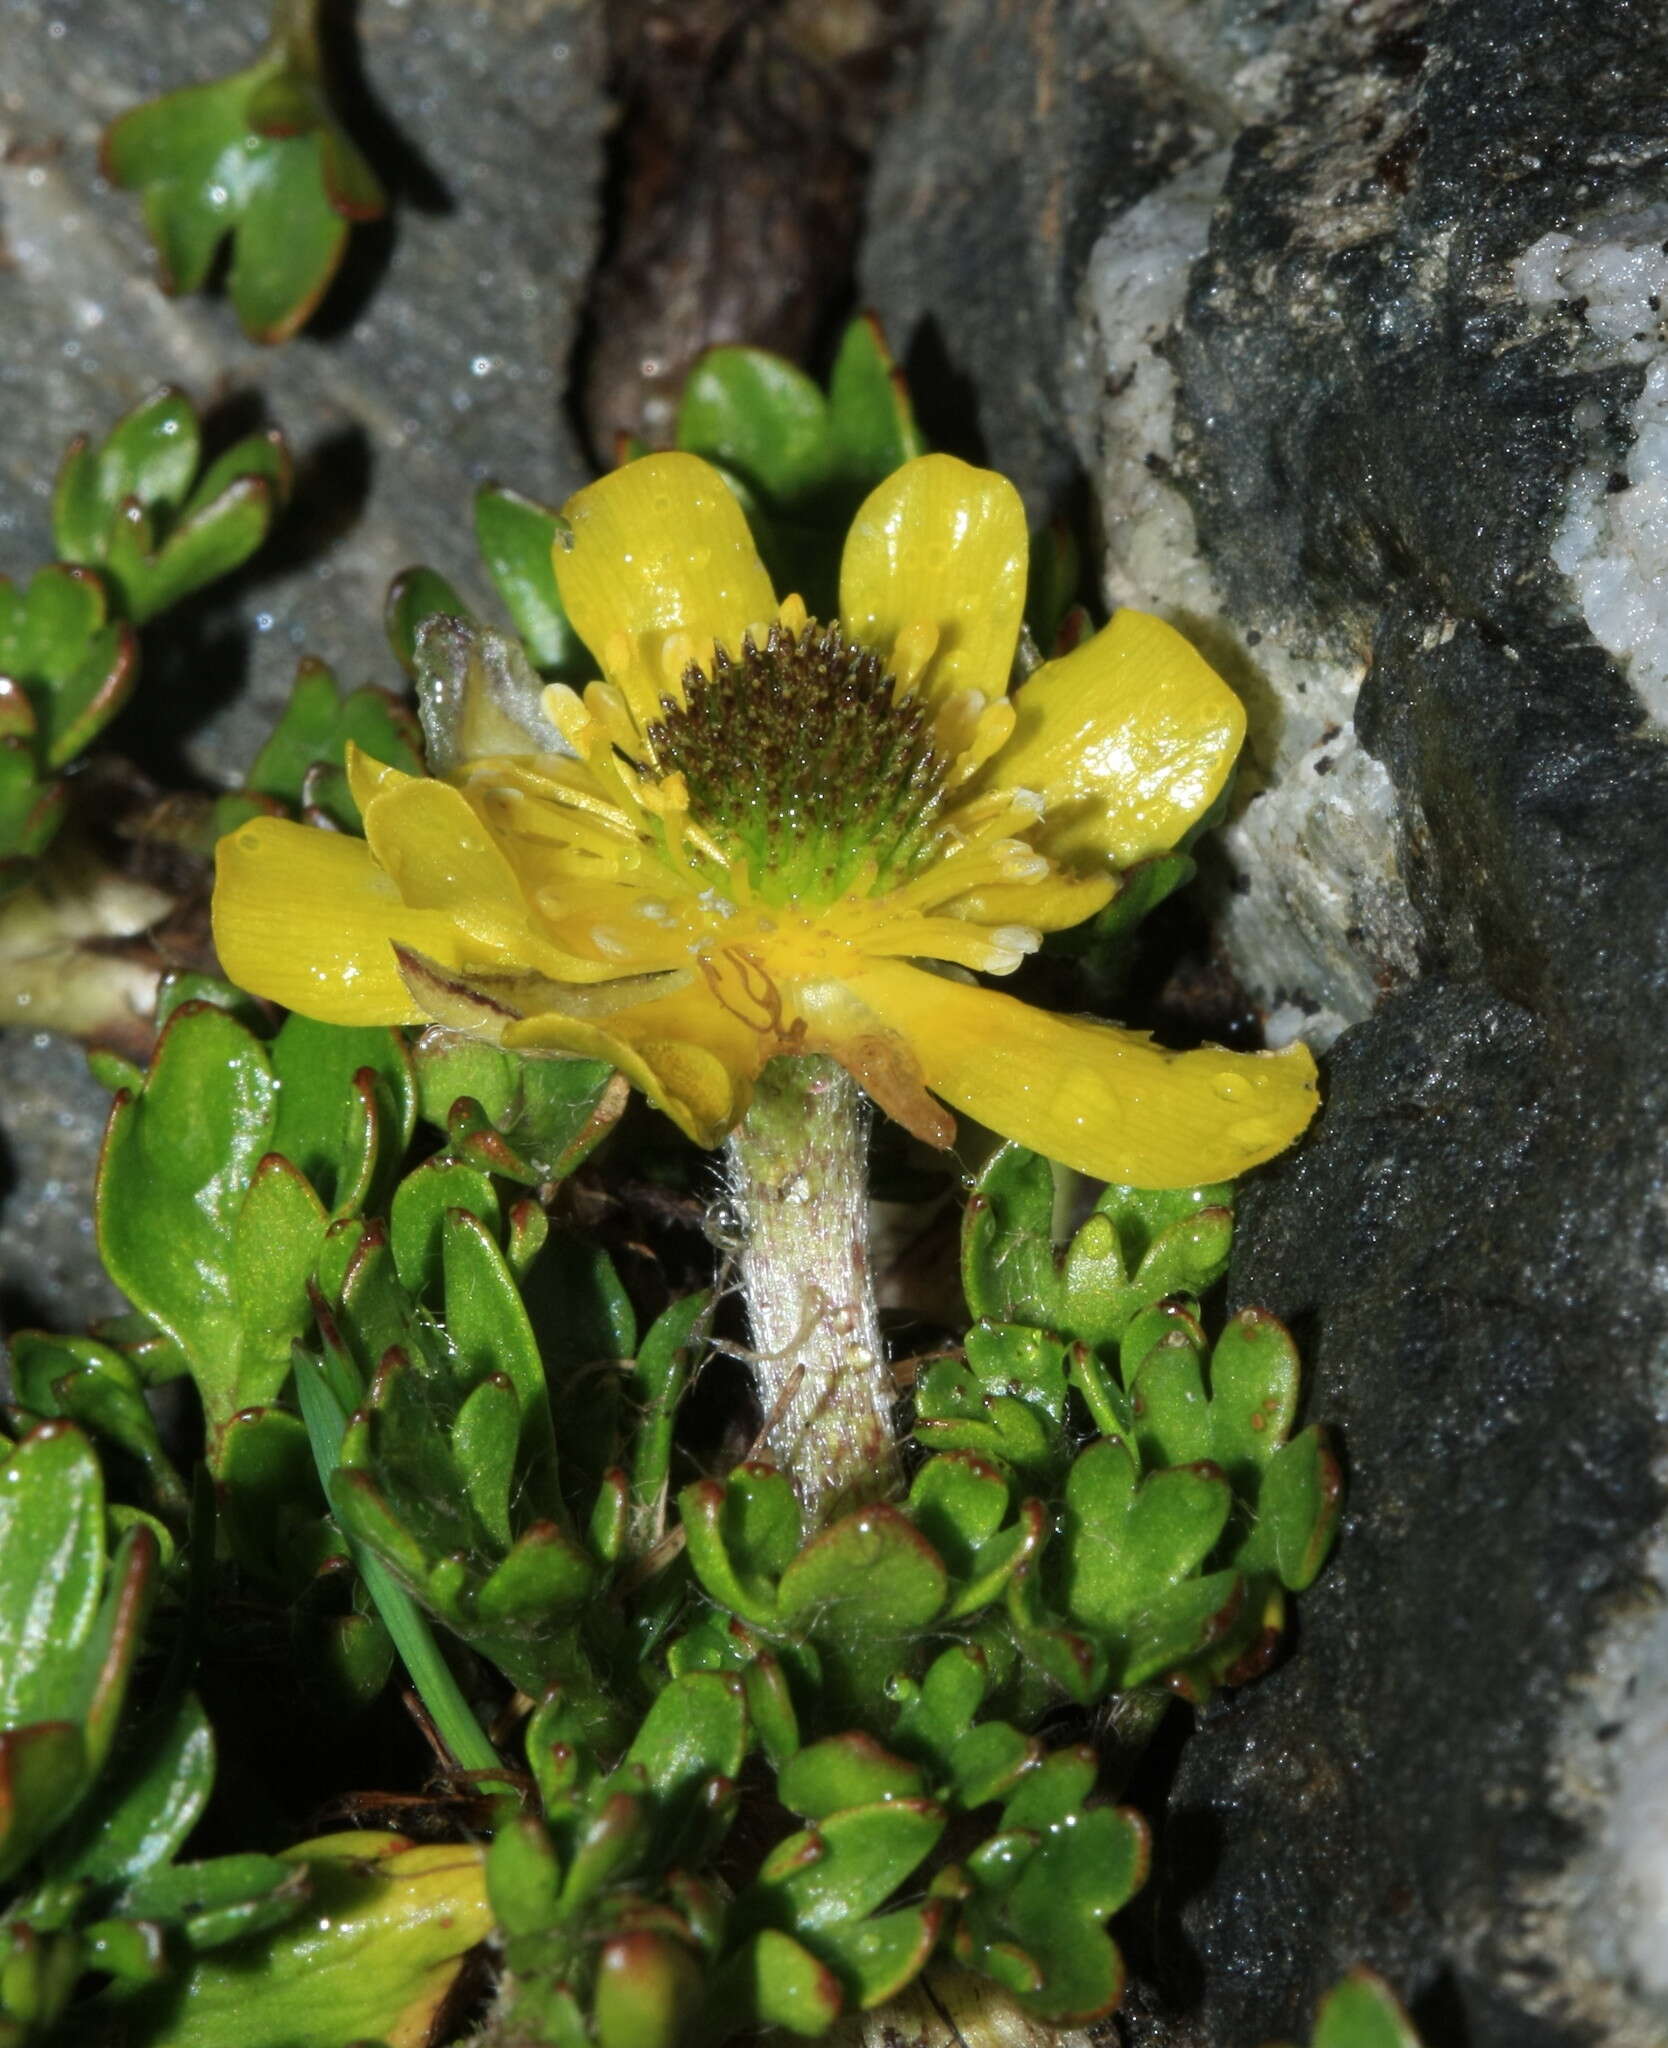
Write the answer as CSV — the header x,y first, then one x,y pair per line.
x,y
290,240
1362,2012
345,1138
871,425
516,536
43,1772
869,1574
845,1770
77,1379
659,1376
552,1113
314,729
255,156
523,1877
129,509
1122,1542
375,1952
875,1958
153,1796
772,1981
757,415
843,1869
73,664
176,1169
416,1220
696,1731
51,1572
647,1987
1007,1246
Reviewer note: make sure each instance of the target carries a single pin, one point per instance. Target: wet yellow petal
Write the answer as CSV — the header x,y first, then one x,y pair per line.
x,y
692,1059
368,777
426,837
942,544
307,919
1129,738
1108,1102
660,547
429,841
1054,904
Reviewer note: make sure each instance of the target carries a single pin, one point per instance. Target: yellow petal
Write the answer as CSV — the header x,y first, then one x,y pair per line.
x,y
368,777
942,544
440,856
1108,1102
1053,904
660,547
306,918
425,836
1129,738
692,1059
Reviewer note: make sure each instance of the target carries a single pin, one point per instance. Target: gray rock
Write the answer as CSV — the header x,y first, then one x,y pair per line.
x,y
440,362
1364,375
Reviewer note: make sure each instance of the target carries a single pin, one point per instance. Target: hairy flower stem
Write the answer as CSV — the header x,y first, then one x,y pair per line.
x,y
798,1174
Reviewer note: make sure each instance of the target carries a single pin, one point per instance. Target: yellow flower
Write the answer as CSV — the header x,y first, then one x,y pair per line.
x,y
766,836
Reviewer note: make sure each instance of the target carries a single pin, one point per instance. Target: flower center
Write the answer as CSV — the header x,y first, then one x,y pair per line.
x,y
798,762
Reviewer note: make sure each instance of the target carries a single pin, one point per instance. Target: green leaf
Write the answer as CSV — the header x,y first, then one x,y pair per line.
x,y
276,1242
660,1374
256,156
523,1877
552,1113
290,241
130,508
75,666
270,1504
960,1504
380,1943
845,1770
68,1637
1362,2012
313,735
1007,1245
1006,1402
1301,1496
344,1136
154,1797
1122,1542
757,415
516,537
417,1218
43,1772
648,1986
844,1868
863,1589
871,425
695,1732
874,1959
772,1981
51,1572
77,1379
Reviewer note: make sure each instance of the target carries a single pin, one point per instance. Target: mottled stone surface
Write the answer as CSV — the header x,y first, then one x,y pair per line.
x,y
1307,344
439,361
